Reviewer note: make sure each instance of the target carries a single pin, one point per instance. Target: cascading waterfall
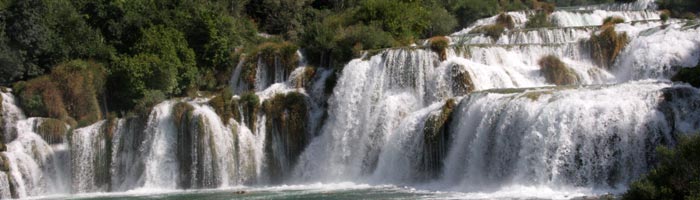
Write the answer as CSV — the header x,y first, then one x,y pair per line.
x,y
483,119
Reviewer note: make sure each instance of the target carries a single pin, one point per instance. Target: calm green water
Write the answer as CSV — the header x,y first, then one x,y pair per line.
x,y
326,191
310,193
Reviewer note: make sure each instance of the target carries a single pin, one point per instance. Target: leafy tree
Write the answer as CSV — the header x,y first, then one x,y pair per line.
x,y
278,16
677,176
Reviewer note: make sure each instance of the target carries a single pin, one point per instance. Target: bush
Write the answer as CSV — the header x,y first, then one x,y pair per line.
x,y
676,176
556,72
688,75
539,20
665,15
606,46
439,45
150,98
70,93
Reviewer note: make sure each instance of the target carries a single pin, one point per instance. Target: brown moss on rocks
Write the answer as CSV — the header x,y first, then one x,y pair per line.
x,y
462,82
505,20
493,31
556,72
287,118
4,163
304,79
52,130
606,46
439,45
70,93
436,139
612,20
222,105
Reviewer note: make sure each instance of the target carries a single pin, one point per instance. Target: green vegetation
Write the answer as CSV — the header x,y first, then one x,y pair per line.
x,y
439,45
250,104
70,93
606,46
677,175
688,75
556,72
152,50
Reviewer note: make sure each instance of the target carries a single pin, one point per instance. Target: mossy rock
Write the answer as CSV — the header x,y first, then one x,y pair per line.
x,y
287,119
556,72
3,147
612,20
250,104
539,20
606,46
688,75
305,78
505,20
222,105
4,163
436,140
462,83
493,31
52,130
182,112
439,45
5,89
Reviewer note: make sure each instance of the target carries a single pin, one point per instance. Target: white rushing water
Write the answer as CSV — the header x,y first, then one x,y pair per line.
x,y
508,133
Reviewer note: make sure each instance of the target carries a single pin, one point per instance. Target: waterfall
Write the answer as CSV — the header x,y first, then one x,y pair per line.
x,y
483,119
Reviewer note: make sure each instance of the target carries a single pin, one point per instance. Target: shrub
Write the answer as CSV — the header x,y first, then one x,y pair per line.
x,y
556,72
676,176
665,15
688,16
439,45
150,98
69,93
493,31
688,75
606,46
538,20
